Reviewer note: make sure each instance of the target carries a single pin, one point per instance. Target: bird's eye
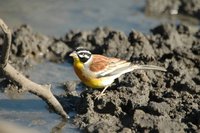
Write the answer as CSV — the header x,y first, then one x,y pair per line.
x,y
83,54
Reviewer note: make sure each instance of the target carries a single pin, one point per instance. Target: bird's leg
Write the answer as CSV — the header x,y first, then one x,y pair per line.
x,y
102,93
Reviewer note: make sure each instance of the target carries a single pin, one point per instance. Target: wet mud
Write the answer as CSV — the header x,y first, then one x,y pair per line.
x,y
144,101
140,101
29,48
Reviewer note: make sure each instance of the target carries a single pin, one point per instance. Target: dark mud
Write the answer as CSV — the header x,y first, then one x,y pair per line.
x,y
144,101
140,101
29,48
183,7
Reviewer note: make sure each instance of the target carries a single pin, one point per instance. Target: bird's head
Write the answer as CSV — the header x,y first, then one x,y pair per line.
x,y
81,54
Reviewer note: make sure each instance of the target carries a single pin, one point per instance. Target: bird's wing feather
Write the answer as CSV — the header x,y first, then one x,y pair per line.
x,y
104,66
98,63
125,67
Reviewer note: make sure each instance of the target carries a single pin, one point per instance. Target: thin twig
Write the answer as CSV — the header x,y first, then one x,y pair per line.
x,y
43,91
6,45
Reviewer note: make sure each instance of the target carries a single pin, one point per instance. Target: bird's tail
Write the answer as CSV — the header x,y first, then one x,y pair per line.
x,y
148,67
118,72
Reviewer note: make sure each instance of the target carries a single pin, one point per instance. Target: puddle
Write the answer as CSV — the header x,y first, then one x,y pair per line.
x,y
52,73
29,110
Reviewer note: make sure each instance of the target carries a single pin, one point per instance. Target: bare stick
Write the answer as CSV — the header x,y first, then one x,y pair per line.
x,y
43,91
6,45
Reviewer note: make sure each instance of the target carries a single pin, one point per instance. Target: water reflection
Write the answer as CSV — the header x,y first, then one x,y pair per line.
x,y
59,127
29,110
34,113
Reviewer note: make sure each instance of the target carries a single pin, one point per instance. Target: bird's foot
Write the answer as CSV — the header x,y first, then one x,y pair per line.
x,y
99,95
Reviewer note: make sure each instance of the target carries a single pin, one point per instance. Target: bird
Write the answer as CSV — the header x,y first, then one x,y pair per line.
x,y
99,71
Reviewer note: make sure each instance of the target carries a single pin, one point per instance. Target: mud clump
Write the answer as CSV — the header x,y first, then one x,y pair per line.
x,y
183,7
29,48
144,101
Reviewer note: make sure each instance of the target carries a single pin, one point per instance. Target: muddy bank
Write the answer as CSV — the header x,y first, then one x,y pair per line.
x,y
183,7
144,101
141,101
29,48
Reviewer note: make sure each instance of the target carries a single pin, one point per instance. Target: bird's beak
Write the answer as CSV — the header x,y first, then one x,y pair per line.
x,y
73,54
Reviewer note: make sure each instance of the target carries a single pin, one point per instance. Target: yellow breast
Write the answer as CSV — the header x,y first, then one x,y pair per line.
x,y
87,78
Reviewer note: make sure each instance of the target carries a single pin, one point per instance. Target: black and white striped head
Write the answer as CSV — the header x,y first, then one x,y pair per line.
x,y
82,54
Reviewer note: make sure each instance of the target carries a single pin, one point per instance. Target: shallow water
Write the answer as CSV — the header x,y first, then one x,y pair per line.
x,y
57,17
32,113
29,110
52,73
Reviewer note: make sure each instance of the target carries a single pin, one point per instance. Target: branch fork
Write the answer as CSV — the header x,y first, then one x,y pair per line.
x,y
43,91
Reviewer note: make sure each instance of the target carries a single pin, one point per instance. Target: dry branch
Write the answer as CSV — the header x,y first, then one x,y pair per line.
x,y
6,45
43,91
